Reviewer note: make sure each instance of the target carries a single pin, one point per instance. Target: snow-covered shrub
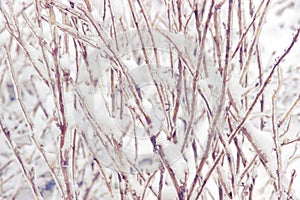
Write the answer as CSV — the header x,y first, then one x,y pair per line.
x,y
159,99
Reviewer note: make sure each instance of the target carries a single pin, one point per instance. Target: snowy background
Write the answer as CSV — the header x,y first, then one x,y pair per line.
x,y
156,99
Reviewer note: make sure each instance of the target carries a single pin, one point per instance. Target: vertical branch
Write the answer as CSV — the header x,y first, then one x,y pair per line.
x,y
28,120
100,168
254,41
114,56
73,152
264,85
179,5
29,176
117,47
220,191
230,163
150,32
260,76
113,24
195,79
217,37
104,10
178,97
276,136
196,76
221,104
13,29
249,111
169,14
222,184
293,176
171,173
247,29
240,21
63,149
161,179
146,56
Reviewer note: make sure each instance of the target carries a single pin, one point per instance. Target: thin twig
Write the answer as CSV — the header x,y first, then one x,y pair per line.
x,y
28,175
